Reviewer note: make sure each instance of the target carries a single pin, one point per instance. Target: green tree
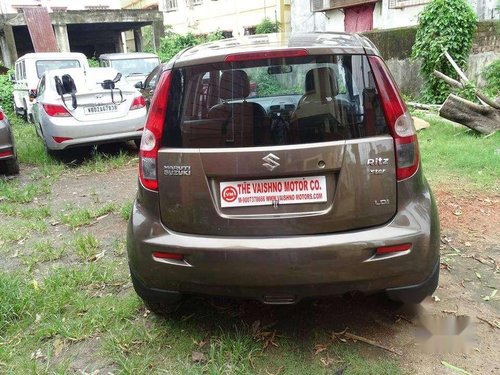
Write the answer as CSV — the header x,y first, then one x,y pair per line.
x,y
266,26
6,100
492,77
173,43
443,25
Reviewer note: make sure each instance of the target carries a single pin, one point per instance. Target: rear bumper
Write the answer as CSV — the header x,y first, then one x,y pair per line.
x,y
100,139
92,132
287,269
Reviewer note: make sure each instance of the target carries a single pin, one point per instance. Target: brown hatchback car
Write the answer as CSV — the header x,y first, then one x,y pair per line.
x,y
277,169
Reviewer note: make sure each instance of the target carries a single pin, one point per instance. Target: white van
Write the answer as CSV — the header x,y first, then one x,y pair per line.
x,y
30,67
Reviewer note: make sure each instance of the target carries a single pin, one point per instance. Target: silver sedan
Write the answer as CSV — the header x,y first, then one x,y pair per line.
x,y
77,107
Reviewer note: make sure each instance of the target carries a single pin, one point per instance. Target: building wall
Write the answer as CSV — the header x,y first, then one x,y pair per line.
x,y
234,16
384,17
395,46
139,4
10,6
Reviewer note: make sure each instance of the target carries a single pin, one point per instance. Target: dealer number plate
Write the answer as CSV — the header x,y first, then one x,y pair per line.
x,y
275,191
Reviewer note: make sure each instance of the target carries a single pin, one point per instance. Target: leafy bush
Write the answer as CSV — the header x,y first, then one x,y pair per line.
x,y
443,25
93,62
6,88
492,76
174,43
266,26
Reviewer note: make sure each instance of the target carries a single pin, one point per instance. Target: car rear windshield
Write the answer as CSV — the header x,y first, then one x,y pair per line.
x,y
273,102
44,65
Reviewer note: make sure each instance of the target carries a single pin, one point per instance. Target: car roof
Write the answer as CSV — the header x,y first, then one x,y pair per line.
x,y
314,43
52,55
106,73
127,55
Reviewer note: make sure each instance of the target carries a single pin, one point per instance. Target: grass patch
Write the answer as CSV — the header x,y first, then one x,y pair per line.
x,y
77,217
30,149
17,299
126,210
102,162
85,246
15,192
38,213
20,229
453,154
42,251
60,309
119,247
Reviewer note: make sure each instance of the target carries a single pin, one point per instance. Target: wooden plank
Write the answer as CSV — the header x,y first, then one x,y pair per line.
x,y
40,29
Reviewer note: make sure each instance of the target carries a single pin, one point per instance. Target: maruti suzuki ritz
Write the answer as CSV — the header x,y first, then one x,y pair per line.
x,y
275,169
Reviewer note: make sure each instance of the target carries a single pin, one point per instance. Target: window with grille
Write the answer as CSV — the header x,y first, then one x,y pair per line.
x,y
322,5
171,5
393,4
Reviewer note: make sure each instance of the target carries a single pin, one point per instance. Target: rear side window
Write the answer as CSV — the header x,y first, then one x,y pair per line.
x,y
273,102
43,65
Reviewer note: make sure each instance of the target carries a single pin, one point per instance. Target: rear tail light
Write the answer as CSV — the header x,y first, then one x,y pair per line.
x,y
1,116
61,139
263,55
138,103
171,256
398,119
56,110
392,249
153,132
4,154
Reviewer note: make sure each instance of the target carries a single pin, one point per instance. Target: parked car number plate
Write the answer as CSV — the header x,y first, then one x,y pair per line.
x,y
275,191
100,109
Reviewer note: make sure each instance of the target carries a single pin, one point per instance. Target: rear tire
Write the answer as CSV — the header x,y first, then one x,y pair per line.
x,y
415,294
162,307
9,167
50,152
157,301
25,112
137,143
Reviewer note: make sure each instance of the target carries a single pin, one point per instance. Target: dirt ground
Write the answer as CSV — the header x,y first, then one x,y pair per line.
x,y
469,275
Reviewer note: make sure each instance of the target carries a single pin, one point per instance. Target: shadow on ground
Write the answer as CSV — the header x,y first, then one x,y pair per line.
x,y
75,157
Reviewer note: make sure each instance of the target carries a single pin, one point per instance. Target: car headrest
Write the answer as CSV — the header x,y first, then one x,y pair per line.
x,y
322,81
234,84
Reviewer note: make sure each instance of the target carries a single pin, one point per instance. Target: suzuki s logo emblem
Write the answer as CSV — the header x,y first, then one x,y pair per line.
x,y
271,161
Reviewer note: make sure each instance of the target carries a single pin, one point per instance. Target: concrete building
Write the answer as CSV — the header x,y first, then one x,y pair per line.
x,y
365,15
88,26
233,17
134,38
14,6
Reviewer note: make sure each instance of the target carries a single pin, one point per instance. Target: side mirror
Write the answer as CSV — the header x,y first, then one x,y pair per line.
x,y
32,94
138,85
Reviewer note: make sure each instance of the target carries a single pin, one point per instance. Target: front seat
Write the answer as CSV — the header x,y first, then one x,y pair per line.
x,y
317,116
242,123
